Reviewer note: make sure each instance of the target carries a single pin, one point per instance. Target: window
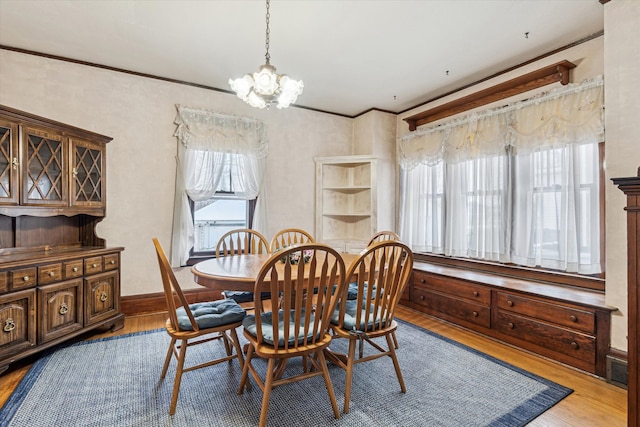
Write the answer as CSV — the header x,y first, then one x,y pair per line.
x,y
536,209
224,212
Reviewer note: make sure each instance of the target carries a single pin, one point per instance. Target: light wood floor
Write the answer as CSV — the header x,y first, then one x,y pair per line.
x,y
594,402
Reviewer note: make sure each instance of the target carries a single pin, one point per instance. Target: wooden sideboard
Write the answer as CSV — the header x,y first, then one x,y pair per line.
x,y
58,279
569,325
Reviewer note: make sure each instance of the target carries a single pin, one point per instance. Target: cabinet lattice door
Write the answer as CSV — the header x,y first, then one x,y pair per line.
x,y
45,181
8,164
87,174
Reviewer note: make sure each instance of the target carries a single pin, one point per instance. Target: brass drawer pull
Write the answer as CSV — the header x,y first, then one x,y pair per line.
x,y
75,269
103,297
575,345
510,303
25,278
9,325
64,308
511,325
52,273
94,265
573,318
475,314
112,262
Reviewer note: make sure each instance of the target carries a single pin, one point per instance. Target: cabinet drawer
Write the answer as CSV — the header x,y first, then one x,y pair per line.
x,y
4,281
476,293
49,273
60,309
562,315
453,307
17,322
561,340
93,265
72,269
23,278
111,262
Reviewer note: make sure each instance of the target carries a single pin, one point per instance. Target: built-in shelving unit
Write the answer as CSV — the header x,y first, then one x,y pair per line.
x,y
346,201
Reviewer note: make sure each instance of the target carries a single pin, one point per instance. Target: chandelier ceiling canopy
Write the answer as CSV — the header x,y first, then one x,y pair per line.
x,y
266,87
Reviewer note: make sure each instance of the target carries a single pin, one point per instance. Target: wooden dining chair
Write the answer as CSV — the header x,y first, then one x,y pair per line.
x,y
383,235
300,326
237,242
381,273
288,237
380,237
193,324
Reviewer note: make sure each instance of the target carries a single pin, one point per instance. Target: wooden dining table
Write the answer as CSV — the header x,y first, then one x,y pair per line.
x,y
238,272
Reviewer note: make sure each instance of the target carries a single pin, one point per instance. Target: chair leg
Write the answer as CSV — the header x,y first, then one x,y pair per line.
x,y
178,379
236,345
244,380
167,359
395,340
268,385
349,374
327,382
227,345
396,364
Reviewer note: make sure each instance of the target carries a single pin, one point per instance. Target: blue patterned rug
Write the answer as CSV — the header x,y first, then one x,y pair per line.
x,y
115,382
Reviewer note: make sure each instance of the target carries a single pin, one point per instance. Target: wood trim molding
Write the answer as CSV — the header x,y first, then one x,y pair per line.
x,y
152,303
516,271
558,72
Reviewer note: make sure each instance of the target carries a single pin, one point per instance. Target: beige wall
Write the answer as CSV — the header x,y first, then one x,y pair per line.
x,y
622,152
138,113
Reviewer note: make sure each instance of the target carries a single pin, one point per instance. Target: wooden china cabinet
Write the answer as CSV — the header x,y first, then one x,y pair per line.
x,y
58,279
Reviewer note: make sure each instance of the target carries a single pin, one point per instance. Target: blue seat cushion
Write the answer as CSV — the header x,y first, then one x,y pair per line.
x,y
249,324
240,296
211,314
350,317
352,290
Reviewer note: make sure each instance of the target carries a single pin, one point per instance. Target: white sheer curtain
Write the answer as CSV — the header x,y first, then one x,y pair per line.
x,y
520,183
205,140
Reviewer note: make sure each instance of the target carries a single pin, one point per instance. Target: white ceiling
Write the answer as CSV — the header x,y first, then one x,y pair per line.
x,y
352,55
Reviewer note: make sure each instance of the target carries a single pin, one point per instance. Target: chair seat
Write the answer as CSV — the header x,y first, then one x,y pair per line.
x,y
240,296
350,318
211,314
249,324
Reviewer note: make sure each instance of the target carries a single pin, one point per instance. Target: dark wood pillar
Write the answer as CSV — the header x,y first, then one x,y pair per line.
x,y
631,187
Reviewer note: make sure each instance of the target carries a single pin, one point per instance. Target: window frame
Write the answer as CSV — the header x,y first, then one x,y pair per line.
x,y
195,257
594,282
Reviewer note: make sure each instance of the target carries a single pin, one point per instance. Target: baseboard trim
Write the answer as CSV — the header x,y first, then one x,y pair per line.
x,y
131,305
617,368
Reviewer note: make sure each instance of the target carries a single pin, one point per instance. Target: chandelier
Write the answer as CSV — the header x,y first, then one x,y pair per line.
x,y
265,87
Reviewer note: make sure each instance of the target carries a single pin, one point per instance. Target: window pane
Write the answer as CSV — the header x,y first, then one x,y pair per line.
x,y
213,218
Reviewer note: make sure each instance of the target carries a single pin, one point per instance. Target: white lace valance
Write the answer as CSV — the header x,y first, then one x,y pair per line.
x,y
208,131
570,114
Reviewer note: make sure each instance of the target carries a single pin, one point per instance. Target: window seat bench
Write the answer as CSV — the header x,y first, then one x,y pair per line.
x,y
568,324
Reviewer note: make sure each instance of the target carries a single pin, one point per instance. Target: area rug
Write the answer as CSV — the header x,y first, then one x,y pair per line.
x,y
115,382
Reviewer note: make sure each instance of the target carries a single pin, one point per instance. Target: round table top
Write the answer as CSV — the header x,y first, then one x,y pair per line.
x,y
236,273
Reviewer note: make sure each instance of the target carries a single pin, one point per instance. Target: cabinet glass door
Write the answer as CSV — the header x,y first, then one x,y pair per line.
x,y
88,170
45,180
8,164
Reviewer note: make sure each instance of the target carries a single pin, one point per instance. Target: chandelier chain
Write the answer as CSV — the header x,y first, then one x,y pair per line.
x,y
267,56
